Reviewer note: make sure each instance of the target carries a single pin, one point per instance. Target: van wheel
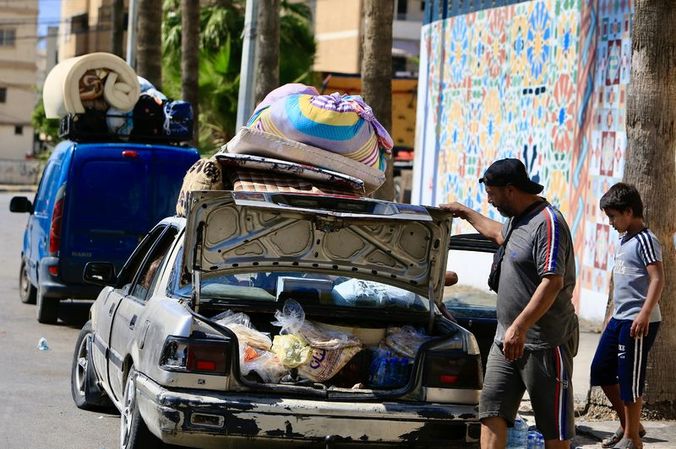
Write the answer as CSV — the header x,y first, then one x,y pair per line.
x,y
27,292
134,434
83,384
47,309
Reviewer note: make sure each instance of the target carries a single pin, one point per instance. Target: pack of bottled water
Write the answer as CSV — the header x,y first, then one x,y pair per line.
x,y
517,436
535,440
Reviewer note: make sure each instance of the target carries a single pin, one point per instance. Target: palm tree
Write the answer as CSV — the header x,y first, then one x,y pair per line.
x,y
376,72
220,42
149,41
190,34
267,48
650,165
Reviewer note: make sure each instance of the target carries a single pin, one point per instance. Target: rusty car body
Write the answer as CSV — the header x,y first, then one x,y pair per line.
x,y
152,349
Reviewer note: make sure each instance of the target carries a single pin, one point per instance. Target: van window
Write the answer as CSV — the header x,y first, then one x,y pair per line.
x,y
111,195
47,186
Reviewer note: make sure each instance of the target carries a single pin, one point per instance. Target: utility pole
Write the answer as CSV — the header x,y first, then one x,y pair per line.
x,y
131,34
247,77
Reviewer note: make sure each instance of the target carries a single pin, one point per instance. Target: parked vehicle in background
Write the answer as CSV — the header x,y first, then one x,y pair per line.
x,y
157,346
95,201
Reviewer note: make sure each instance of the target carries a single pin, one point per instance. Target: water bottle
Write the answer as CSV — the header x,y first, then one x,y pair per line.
x,y
43,345
541,441
532,440
517,436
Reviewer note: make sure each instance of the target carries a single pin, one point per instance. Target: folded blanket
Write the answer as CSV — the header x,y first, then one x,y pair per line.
x,y
342,124
90,78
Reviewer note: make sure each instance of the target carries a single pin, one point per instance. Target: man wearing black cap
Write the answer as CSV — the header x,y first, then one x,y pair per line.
x,y
533,274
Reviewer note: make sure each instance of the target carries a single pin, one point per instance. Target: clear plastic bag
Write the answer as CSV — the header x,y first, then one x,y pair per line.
x,y
290,318
264,363
405,340
229,316
292,350
321,337
249,336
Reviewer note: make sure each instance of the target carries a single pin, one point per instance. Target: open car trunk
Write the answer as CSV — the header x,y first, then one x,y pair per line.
x,y
350,284
340,354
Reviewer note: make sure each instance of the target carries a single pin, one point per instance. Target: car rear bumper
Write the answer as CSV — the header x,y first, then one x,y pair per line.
x,y
52,287
210,419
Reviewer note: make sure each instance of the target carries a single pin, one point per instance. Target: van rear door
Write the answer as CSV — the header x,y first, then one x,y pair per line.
x,y
117,193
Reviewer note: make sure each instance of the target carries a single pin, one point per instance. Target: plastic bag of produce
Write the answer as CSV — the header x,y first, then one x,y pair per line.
x,y
264,363
292,350
325,363
331,351
248,336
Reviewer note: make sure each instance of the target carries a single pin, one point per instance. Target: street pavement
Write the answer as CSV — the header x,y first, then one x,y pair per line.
x,y
660,434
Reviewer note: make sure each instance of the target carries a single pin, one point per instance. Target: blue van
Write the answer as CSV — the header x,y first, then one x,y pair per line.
x,y
95,201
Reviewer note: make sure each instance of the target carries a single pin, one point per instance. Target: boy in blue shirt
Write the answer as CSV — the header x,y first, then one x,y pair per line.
x,y
620,360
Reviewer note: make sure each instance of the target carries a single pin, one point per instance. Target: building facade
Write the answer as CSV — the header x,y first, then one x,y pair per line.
x,y
18,43
339,30
544,81
87,27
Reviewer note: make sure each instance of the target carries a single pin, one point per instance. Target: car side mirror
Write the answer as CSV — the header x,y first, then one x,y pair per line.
x,y
20,204
100,273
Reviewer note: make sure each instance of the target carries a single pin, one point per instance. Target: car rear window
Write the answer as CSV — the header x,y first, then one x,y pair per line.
x,y
306,288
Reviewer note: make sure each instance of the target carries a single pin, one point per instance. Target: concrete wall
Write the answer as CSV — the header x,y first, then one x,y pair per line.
x,y
544,81
20,172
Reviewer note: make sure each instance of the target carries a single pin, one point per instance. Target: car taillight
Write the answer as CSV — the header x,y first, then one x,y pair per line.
x,y
57,220
452,369
196,355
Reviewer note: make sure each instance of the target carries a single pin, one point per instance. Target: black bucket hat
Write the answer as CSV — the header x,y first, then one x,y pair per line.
x,y
510,172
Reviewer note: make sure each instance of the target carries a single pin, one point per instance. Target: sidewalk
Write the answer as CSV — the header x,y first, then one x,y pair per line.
x,y
660,434
18,188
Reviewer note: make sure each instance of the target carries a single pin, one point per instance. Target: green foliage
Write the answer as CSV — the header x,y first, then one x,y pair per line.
x,y
43,125
222,25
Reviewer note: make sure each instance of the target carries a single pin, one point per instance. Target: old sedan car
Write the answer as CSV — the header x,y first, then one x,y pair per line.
x,y
161,345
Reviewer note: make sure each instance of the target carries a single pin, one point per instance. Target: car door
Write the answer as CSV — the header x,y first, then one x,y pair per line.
x,y
105,307
470,301
130,317
39,221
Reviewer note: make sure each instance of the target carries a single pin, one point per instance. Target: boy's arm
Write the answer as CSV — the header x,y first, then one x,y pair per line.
x,y
641,324
490,229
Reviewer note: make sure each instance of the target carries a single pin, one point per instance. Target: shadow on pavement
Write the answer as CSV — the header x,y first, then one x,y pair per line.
x,y
74,313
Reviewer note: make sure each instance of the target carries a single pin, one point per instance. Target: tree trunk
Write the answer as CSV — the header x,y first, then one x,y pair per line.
x,y
117,32
190,30
376,72
149,41
267,48
650,165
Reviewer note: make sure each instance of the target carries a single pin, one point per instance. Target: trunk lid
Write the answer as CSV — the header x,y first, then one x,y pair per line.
x,y
398,244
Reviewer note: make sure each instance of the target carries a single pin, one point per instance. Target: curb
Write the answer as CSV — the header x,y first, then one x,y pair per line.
x,y
17,188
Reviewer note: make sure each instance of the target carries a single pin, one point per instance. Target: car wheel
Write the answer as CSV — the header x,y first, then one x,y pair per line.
x,y
134,434
27,292
47,309
83,385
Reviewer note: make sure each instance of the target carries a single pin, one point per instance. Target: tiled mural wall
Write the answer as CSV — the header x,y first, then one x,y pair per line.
x,y
543,81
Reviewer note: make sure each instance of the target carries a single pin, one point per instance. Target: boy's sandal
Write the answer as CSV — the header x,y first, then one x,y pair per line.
x,y
615,438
